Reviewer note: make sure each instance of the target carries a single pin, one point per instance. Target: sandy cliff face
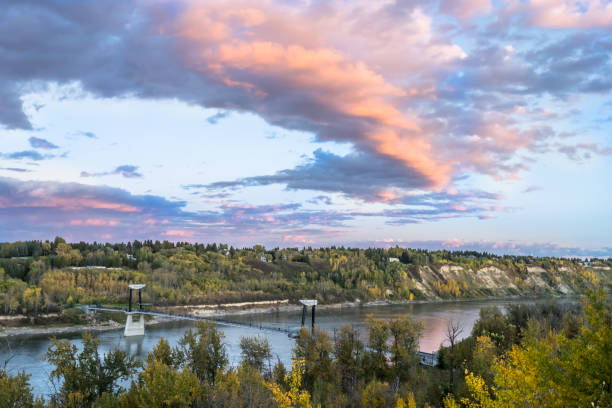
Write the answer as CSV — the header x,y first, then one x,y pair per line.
x,y
454,281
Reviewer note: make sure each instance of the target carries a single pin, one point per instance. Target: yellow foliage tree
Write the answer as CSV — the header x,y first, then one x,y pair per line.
x,y
554,371
295,397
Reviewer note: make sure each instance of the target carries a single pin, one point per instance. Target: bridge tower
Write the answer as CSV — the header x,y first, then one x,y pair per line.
x,y
135,328
305,303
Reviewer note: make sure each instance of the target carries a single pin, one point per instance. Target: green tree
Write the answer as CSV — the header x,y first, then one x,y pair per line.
x,y
349,353
315,349
161,386
256,352
203,352
86,374
376,357
492,323
163,353
15,391
405,334
376,395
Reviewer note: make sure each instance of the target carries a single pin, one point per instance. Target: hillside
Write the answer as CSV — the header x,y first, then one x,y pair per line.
x,y
44,276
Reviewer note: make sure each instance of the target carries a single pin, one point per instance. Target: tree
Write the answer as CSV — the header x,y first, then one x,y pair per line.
x,y
405,334
86,374
492,323
203,352
32,299
15,391
253,388
315,350
479,395
453,331
483,357
376,395
255,351
348,351
295,396
554,371
161,386
163,353
376,361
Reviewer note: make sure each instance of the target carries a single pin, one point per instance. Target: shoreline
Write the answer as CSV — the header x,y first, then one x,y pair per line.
x,y
218,313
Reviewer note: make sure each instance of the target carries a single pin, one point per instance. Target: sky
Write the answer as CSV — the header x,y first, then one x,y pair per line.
x,y
450,124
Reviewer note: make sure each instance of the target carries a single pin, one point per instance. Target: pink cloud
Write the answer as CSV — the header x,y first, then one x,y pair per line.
x,y
466,9
566,13
179,233
339,60
453,243
95,222
299,239
73,203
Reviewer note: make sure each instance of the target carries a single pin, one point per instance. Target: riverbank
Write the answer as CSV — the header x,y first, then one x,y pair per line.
x,y
221,312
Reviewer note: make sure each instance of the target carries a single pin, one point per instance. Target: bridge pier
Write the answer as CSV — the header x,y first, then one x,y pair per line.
x,y
134,328
306,303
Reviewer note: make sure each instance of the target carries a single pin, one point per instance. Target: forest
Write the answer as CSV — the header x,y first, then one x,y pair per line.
x,y
535,355
51,276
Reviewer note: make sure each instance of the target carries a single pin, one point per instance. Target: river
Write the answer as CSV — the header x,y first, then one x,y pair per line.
x,y
26,353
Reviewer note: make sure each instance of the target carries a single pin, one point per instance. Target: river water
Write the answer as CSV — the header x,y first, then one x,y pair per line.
x,y
26,353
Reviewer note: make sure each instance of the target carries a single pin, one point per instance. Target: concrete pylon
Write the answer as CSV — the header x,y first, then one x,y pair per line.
x,y
312,303
134,328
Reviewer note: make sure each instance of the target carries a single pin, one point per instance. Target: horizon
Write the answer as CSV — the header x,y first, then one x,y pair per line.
x,y
471,125
498,252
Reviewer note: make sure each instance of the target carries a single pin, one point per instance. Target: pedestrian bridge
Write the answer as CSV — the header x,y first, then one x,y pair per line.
x,y
137,328
130,331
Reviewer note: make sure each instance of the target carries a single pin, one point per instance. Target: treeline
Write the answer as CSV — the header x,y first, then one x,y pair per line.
x,y
545,355
121,254
45,276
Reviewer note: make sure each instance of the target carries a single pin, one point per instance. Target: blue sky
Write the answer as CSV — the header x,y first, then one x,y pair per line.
x,y
485,126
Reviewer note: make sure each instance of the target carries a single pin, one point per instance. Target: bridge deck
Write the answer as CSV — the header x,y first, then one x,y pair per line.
x,y
192,318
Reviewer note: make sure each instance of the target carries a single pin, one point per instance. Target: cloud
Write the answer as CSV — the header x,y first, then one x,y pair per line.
x,y
282,78
39,209
95,222
127,171
89,135
565,13
321,199
583,151
12,115
26,155
532,189
193,186
466,9
428,207
44,209
357,175
493,247
15,169
419,109
39,143
214,119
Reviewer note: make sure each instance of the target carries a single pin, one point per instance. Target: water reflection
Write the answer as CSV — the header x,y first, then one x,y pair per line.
x,y
133,345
